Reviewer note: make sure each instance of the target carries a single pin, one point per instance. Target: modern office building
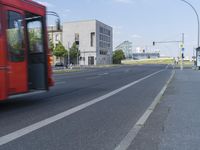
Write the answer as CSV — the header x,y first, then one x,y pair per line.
x,y
126,46
94,39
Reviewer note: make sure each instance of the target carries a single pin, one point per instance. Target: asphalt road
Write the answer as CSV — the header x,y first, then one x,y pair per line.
x,y
100,126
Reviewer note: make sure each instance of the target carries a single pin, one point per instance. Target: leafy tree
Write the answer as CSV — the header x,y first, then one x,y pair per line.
x,y
74,53
118,56
60,51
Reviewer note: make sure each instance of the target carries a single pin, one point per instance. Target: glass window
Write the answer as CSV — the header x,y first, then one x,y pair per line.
x,y
76,36
15,37
57,37
35,36
92,39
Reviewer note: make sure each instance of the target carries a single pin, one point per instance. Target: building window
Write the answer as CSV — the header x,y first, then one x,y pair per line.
x,y
103,52
77,38
92,39
101,30
15,37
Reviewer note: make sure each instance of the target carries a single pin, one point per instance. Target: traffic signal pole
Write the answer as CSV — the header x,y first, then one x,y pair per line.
x,y
182,49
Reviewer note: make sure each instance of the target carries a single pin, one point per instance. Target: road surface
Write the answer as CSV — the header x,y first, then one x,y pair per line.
x,y
88,110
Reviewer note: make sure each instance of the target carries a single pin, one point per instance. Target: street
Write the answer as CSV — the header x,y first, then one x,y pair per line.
x,y
98,124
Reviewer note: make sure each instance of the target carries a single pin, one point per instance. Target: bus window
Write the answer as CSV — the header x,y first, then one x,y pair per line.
x,y
15,37
35,36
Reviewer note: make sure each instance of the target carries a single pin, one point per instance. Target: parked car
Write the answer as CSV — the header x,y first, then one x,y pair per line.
x,y
59,64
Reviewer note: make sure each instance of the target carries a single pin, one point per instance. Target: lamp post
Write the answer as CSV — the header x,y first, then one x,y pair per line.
x,y
198,22
198,34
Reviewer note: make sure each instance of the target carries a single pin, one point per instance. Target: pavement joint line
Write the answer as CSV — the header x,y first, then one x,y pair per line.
x,y
91,78
31,128
60,82
129,138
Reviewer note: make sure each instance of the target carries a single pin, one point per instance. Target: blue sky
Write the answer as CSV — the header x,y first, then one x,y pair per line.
x,y
139,21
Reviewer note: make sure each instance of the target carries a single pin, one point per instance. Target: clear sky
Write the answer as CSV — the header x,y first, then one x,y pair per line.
x,y
139,21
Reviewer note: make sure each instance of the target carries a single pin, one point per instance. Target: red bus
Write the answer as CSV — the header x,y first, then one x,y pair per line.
x,y
24,54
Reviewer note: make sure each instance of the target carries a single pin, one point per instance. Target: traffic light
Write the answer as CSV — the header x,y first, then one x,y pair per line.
x,y
154,43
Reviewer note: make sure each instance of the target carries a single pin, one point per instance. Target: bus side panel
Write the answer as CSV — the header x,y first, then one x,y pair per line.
x,y
3,56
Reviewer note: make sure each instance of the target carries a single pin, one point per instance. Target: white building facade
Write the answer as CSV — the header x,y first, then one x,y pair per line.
x,y
55,36
95,41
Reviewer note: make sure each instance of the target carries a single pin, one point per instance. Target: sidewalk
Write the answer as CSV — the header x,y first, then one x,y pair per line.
x,y
175,124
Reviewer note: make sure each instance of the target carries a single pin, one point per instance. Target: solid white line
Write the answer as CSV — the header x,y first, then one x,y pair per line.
x,y
24,131
129,138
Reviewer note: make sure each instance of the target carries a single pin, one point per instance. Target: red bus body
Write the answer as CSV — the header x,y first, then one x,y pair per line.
x,y
24,54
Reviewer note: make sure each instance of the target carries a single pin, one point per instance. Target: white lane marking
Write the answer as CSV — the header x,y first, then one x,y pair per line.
x,y
24,131
129,138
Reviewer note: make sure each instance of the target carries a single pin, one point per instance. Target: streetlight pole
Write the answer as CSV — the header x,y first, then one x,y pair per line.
x,y
198,23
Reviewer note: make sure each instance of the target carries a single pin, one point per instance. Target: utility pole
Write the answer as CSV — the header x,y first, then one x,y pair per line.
x,y
77,56
197,64
68,59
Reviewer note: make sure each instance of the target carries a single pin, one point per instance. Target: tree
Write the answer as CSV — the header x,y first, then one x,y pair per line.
x,y
60,51
118,56
74,53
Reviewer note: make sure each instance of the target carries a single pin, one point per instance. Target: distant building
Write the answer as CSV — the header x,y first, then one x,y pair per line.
x,y
95,40
126,46
140,50
55,36
138,56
